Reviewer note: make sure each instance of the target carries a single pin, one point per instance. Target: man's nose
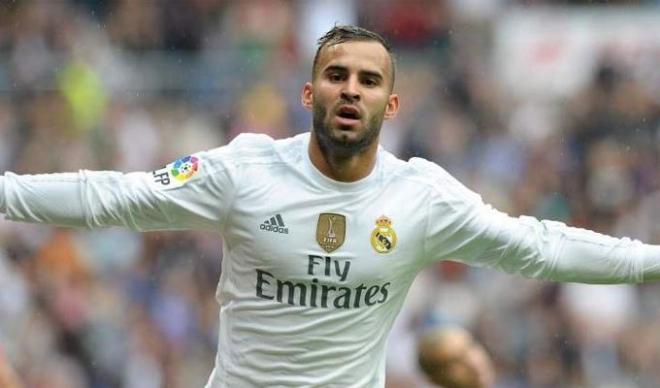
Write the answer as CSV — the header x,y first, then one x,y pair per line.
x,y
351,90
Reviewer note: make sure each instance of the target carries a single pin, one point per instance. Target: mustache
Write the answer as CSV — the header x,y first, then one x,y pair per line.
x,y
347,103
346,99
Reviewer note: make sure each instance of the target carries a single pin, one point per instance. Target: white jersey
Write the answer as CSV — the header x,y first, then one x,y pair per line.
x,y
315,270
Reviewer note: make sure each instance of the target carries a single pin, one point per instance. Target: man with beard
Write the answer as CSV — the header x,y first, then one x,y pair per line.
x,y
324,232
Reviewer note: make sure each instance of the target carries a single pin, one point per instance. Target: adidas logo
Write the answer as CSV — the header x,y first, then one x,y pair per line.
x,y
275,224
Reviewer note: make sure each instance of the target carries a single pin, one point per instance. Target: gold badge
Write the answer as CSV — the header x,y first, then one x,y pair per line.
x,y
383,238
330,231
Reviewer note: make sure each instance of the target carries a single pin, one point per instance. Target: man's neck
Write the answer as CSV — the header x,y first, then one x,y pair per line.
x,y
340,167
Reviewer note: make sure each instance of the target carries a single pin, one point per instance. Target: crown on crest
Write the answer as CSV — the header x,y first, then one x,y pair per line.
x,y
383,221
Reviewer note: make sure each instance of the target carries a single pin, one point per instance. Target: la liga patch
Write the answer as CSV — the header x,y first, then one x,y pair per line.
x,y
185,168
178,173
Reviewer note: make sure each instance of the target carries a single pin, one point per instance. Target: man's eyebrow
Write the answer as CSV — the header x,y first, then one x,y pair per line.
x,y
369,73
335,68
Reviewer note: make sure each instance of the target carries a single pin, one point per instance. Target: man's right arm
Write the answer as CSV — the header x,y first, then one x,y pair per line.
x,y
192,193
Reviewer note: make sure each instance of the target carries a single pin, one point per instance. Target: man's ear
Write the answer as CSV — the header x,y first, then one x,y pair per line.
x,y
307,95
392,106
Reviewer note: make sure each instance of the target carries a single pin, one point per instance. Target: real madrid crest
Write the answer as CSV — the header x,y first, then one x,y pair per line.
x,y
330,231
383,238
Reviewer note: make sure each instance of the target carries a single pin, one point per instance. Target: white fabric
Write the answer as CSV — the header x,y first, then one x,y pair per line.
x,y
2,194
291,313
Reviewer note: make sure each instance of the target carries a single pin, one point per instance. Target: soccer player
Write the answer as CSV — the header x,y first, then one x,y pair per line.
x,y
324,232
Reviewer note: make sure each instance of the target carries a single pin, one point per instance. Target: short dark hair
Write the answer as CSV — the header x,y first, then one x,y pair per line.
x,y
347,33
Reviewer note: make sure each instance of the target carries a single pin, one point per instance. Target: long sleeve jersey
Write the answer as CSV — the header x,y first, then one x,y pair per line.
x,y
314,271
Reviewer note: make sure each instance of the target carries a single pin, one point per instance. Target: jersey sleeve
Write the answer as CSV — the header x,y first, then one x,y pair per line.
x,y
194,192
2,194
461,227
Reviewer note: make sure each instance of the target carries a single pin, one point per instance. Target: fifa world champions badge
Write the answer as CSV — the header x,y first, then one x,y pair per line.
x,y
383,237
330,231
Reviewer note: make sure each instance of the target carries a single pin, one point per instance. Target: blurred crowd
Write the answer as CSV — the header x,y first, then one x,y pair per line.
x,y
132,85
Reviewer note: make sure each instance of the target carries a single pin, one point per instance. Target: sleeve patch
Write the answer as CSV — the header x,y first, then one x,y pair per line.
x,y
178,173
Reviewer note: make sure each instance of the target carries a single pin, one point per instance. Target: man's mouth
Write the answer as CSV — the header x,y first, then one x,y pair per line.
x,y
348,115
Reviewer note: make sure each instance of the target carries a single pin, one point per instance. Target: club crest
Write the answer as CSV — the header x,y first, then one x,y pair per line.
x,y
330,231
383,238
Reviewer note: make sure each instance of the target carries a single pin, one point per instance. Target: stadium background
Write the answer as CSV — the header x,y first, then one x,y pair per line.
x,y
550,109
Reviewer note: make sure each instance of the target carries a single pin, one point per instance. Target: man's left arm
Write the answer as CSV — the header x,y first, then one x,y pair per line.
x,y
552,250
461,227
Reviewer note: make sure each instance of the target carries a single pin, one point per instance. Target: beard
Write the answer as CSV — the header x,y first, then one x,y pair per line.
x,y
341,145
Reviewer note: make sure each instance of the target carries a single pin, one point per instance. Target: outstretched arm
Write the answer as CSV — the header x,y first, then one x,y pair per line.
x,y
193,193
461,227
555,251
2,194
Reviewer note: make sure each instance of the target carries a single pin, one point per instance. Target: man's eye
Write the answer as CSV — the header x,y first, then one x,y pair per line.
x,y
334,77
370,82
